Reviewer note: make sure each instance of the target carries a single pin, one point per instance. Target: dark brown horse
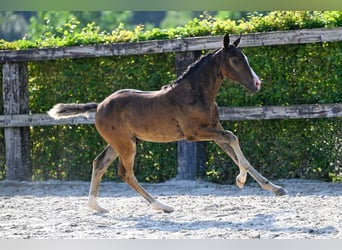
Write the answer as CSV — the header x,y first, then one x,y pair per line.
x,y
185,109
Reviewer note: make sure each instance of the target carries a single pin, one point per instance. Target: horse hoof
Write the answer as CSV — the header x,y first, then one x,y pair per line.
x,y
92,203
160,206
239,184
281,192
169,210
240,180
100,210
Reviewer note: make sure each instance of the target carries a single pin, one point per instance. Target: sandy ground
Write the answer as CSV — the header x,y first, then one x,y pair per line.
x,y
57,210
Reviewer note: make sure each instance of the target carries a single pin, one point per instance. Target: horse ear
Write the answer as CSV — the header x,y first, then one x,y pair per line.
x,y
237,41
226,41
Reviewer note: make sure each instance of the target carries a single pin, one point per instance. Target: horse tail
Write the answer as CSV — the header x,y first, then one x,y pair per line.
x,y
62,110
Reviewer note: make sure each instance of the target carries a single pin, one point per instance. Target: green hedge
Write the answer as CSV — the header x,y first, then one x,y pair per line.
x,y
292,74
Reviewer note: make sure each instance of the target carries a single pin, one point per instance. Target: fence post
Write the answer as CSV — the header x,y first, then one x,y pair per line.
x,y
17,140
191,156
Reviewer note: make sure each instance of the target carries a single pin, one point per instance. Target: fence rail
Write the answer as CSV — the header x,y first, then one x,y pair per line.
x,y
172,45
17,120
226,113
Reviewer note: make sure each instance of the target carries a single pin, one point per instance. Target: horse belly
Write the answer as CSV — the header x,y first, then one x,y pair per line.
x,y
166,131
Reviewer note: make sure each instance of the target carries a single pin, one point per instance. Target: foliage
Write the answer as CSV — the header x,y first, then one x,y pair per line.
x,y
52,22
12,25
72,33
292,74
175,19
15,25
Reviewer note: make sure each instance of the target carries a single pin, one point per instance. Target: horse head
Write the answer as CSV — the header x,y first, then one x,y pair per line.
x,y
236,66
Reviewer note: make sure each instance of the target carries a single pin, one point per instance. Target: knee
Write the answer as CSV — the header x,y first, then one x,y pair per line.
x,y
97,168
231,137
121,172
126,176
96,164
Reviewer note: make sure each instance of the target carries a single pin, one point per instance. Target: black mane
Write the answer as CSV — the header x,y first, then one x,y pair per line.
x,y
192,67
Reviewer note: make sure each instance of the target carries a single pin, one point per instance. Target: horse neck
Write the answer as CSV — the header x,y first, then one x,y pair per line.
x,y
205,75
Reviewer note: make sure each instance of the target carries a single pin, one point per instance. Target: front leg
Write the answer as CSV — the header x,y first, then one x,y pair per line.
x,y
242,176
230,144
245,166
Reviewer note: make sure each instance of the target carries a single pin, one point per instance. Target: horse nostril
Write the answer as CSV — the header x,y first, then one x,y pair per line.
x,y
258,84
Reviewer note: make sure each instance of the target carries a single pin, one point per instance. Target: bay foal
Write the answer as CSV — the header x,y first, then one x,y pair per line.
x,y
184,109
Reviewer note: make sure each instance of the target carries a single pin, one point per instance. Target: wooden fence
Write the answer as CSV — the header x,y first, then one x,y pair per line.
x,y
17,120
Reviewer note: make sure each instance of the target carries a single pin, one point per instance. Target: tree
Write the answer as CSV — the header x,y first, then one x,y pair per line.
x,y
13,25
48,22
176,18
233,15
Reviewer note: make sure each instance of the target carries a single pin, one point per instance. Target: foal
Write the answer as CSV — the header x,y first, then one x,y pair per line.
x,y
185,109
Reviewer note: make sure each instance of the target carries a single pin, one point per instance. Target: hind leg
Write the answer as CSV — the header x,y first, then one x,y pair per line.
x,y
100,165
126,173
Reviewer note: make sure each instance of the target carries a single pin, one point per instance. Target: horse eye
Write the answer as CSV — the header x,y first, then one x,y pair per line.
x,y
235,61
